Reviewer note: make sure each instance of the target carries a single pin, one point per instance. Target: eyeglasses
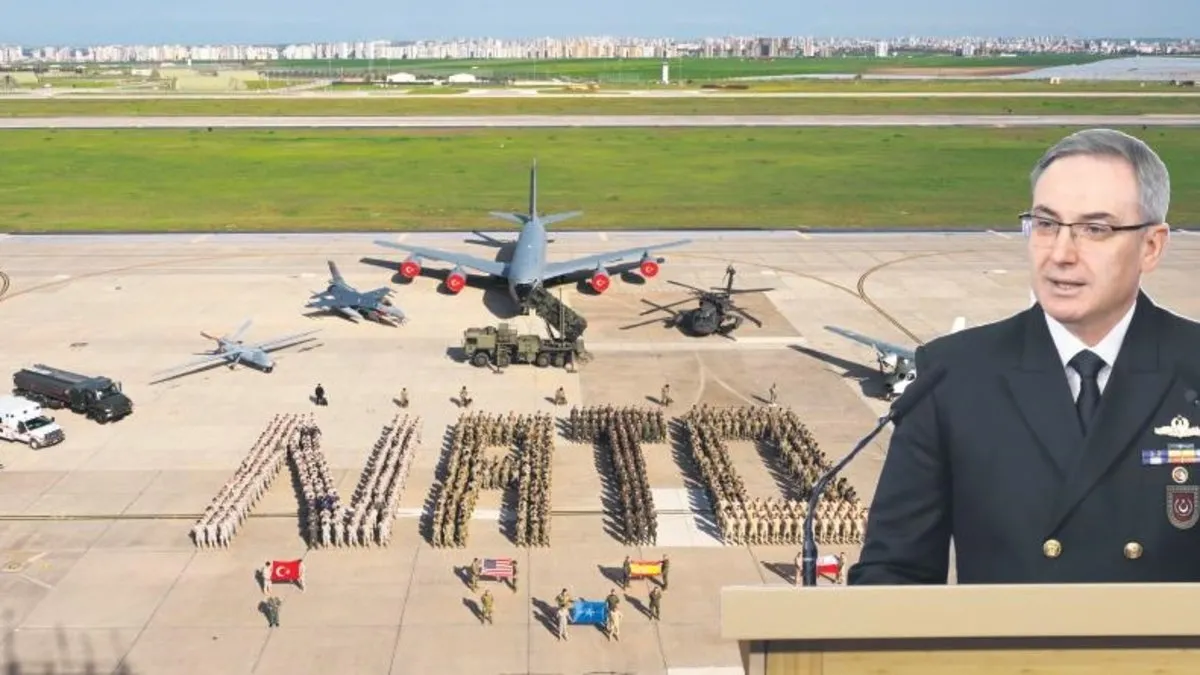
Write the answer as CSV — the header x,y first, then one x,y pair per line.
x,y
1043,230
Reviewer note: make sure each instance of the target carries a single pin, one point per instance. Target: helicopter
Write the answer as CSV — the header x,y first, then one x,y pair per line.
x,y
715,311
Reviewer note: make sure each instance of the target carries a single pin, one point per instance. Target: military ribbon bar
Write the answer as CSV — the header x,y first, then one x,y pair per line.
x,y
1172,454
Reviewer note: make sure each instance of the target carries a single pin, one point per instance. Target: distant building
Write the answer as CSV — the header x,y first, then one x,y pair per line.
x,y
397,78
666,73
882,49
229,80
462,78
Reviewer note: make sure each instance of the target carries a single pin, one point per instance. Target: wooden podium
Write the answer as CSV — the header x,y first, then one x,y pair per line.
x,y
1109,629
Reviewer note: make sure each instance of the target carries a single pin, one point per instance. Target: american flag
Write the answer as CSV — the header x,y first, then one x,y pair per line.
x,y
498,568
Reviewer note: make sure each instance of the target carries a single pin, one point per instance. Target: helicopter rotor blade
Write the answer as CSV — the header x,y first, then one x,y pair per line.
x,y
739,291
745,315
683,285
665,308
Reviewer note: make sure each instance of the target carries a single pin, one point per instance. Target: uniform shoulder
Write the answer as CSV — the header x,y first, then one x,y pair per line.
x,y
970,342
1185,326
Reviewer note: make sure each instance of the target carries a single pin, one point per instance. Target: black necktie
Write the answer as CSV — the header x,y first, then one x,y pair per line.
x,y
1088,365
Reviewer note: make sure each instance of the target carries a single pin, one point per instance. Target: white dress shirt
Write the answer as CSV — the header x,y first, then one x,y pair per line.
x,y
1068,346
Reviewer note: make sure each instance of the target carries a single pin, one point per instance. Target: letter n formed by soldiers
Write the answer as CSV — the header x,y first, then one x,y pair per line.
x,y
326,520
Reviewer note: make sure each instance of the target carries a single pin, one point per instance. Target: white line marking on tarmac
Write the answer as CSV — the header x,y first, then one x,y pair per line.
x,y
603,236
803,235
203,237
61,277
37,582
768,273
401,238
1185,232
4,235
998,234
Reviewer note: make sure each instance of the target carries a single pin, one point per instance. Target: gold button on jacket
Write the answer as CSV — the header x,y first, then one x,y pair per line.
x,y
1052,548
1133,550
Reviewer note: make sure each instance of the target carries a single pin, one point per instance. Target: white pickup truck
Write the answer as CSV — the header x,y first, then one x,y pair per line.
x,y
24,421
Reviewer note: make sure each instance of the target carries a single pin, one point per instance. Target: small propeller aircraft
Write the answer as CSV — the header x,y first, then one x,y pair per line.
x,y
897,364
231,350
344,299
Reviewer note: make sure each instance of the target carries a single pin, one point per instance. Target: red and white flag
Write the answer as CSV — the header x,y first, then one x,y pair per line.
x,y
283,571
828,566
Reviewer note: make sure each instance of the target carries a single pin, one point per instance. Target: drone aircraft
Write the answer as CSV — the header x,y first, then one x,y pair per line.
x,y
715,312
351,303
897,364
231,350
528,268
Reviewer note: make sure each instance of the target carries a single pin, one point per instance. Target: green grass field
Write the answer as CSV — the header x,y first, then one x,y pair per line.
x,y
585,105
159,180
697,69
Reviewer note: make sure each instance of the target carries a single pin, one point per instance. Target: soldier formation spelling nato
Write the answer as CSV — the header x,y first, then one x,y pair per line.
x,y
526,465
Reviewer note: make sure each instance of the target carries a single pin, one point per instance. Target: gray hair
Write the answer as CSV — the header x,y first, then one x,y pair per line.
x,y
1154,183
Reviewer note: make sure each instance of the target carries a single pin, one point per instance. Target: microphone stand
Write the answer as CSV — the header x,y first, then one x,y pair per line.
x,y
809,553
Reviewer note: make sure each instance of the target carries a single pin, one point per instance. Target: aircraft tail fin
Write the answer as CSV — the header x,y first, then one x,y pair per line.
x,y
959,324
533,190
334,273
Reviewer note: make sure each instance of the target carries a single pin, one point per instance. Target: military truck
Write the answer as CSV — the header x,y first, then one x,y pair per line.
x,y
502,345
97,397
23,421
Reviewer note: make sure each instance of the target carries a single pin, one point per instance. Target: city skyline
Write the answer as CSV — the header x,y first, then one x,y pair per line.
x,y
275,22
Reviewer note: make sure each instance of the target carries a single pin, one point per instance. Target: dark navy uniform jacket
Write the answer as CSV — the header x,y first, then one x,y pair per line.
x,y
994,457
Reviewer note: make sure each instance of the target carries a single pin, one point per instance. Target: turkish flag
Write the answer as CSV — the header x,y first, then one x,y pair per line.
x,y
285,570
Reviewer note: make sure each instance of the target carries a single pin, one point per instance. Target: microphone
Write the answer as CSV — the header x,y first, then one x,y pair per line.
x,y
904,405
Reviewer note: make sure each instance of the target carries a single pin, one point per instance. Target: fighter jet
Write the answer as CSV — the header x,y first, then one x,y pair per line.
x,y
232,350
897,364
528,268
351,303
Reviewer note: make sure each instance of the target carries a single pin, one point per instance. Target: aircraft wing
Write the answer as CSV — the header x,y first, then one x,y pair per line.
x,y
590,262
286,341
886,347
376,295
196,364
486,266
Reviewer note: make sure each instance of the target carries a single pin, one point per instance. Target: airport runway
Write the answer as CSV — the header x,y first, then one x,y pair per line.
x,y
588,121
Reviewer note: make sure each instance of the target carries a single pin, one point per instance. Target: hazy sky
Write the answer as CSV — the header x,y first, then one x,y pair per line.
x,y
273,21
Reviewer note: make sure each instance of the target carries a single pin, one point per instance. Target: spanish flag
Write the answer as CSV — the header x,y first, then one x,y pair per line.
x,y
645,568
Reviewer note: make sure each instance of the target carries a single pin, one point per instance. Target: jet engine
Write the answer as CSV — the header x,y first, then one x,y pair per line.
x,y
648,266
600,280
411,268
456,281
